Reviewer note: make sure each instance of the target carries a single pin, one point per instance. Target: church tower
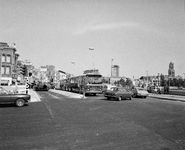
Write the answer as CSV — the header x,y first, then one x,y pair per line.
x,y
171,71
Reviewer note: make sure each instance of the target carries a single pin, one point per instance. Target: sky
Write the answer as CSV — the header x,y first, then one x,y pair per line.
x,y
139,36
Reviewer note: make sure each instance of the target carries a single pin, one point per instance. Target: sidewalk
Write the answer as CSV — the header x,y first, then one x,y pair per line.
x,y
168,97
68,94
34,96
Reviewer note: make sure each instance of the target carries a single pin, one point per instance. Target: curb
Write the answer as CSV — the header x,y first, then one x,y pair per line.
x,y
168,98
34,96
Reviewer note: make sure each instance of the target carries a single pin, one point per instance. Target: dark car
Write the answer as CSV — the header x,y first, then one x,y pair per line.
x,y
41,87
118,93
18,99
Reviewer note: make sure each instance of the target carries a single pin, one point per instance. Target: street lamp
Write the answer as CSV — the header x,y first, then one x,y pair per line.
x,y
74,67
92,49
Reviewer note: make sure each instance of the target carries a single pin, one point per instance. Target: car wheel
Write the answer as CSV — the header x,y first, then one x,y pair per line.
x,y
119,98
19,102
108,98
130,97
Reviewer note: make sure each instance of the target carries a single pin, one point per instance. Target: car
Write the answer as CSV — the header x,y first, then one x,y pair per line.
x,y
41,87
10,97
107,87
139,92
118,93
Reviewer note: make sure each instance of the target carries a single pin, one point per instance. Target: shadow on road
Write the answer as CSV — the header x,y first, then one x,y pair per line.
x,y
10,105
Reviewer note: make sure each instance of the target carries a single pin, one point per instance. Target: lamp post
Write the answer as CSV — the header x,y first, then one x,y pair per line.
x,y
170,76
92,49
111,66
74,67
158,80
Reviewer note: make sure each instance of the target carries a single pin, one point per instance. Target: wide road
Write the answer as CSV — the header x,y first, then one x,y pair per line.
x,y
94,123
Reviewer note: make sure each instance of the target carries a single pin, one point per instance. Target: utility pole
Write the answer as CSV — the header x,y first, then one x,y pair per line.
x,y
111,66
73,68
92,49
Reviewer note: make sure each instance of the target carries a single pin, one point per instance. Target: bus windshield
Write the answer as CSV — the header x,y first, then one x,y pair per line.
x,y
94,79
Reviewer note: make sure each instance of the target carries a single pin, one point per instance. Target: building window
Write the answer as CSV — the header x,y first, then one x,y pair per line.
x,y
8,58
7,70
2,70
3,58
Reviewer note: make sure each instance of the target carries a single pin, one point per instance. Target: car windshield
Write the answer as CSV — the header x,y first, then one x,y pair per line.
x,y
3,91
123,90
114,89
141,89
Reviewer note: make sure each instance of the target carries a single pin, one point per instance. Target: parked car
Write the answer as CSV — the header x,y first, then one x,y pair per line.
x,y
118,93
139,92
9,97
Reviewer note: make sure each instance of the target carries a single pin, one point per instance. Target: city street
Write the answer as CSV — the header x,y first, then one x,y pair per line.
x,y
61,123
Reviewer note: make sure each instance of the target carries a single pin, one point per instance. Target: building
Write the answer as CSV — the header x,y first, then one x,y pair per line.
x,y
149,80
115,74
50,72
44,73
171,70
115,71
60,75
8,63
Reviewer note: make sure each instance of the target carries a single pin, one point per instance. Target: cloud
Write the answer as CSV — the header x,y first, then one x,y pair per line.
x,y
113,26
107,26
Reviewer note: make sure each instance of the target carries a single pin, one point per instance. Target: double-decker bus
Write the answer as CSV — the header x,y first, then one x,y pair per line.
x,y
87,83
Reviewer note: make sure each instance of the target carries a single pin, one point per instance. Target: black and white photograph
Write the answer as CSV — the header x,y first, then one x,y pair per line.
x,y
92,75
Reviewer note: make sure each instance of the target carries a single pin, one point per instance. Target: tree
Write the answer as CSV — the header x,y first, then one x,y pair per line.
x,y
129,83
122,82
162,82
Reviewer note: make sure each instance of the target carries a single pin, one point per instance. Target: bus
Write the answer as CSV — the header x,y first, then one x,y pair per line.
x,y
87,83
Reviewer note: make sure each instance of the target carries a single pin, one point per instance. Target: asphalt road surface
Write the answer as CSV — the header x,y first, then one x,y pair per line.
x,y
94,123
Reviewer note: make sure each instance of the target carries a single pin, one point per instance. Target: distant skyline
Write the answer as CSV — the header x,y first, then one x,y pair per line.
x,y
139,35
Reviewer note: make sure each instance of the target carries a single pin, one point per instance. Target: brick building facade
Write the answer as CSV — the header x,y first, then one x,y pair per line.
x,y
8,63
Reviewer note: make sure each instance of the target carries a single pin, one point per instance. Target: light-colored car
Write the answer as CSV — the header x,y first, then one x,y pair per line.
x,y
139,92
107,87
118,93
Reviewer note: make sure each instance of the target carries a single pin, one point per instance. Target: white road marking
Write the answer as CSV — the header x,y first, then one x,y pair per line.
x,y
53,96
49,110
